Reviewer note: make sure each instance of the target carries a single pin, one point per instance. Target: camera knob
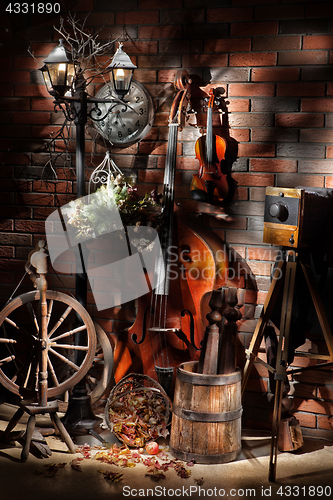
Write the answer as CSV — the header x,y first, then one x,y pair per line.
x,y
279,211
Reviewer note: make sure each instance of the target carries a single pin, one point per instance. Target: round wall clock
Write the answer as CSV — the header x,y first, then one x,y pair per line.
x,y
127,122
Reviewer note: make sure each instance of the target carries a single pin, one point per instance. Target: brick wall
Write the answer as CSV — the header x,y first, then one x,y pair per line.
x,y
272,59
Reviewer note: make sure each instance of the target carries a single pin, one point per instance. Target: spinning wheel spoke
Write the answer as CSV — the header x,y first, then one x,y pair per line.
x,y
52,372
6,360
49,311
70,346
60,321
67,334
66,360
33,315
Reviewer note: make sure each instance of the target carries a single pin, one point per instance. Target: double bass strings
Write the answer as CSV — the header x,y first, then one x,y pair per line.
x,y
159,299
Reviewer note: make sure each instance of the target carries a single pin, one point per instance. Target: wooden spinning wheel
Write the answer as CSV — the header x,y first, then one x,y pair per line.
x,y
21,344
47,345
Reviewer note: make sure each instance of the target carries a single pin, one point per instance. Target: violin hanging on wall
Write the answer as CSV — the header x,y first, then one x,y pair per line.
x,y
210,184
169,327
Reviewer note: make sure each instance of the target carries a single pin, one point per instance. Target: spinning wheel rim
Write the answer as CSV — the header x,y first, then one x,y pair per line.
x,y
90,348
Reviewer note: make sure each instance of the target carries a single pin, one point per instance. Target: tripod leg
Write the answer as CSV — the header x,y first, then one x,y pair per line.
x,y
319,310
262,321
275,430
281,360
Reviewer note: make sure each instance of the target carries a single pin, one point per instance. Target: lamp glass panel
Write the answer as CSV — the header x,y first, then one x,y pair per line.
x,y
121,78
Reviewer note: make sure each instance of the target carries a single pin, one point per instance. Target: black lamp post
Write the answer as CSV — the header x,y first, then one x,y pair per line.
x,y
64,80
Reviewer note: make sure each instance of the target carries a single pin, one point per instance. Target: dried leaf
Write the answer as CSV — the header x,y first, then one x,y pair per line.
x,y
200,481
156,476
75,465
115,477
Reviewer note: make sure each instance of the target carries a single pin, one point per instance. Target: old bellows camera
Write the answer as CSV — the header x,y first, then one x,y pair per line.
x,y
297,218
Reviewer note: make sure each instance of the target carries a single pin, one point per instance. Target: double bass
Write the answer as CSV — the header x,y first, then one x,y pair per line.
x,y
169,328
210,184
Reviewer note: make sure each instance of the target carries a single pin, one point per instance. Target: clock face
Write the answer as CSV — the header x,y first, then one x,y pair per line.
x,y
126,122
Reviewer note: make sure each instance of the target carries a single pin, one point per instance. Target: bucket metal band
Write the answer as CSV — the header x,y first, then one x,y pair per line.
x,y
205,459
201,379
197,416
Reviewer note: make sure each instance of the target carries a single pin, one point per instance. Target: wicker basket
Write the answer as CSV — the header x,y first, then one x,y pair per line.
x,y
138,410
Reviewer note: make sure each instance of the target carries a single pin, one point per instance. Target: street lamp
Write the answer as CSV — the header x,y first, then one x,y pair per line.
x,y
65,81
59,70
121,71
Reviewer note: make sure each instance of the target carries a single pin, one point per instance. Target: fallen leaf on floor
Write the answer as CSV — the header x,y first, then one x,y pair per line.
x,y
75,465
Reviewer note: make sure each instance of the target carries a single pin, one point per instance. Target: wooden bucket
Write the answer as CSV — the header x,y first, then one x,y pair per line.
x,y
206,416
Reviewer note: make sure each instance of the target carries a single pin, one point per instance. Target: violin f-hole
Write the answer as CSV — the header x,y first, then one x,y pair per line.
x,y
192,339
144,328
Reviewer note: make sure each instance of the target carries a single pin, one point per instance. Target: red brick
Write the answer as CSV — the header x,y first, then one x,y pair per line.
x,y
325,422
240,135
299,120
174,46
229,14
251,89
144,17
301,89
42,104
257,194
44,131
276,43
313,406
316,135
228,45
29,226
250,120
238,105
158,148
30,90
293,11
248,179
274,74
266,150
6,90
160,32
253,59
317,105
13,158
306,419
259,28
273,165
31,118
262,253
292,180
205,60
15,76
155,61
299,58
329,88
35,199
318,42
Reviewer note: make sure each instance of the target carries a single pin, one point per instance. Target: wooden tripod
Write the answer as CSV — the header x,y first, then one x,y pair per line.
x,y
286,267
